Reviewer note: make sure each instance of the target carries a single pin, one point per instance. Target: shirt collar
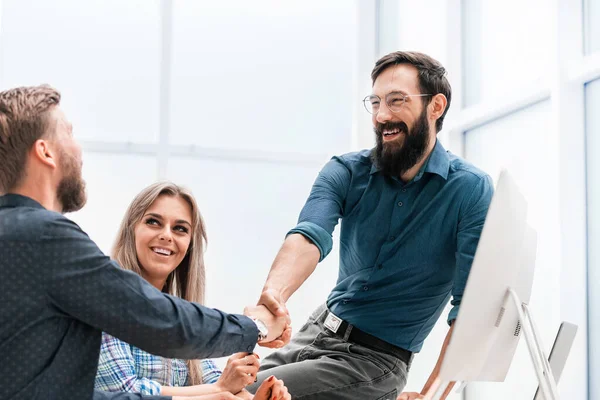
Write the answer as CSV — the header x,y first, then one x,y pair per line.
x,y
437,163
16,200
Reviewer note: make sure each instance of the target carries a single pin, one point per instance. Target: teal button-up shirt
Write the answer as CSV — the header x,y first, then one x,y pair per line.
x,y
404,247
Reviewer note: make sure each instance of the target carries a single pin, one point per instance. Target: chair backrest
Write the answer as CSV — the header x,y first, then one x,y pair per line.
x,y
560,352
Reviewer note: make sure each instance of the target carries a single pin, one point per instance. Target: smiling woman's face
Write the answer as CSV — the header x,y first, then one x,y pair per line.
x,y
162,238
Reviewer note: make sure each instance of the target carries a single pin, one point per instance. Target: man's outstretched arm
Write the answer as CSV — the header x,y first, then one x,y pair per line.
x,y
295,262
308,243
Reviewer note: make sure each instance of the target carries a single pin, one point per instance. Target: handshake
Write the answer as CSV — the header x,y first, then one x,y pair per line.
x,y
272,312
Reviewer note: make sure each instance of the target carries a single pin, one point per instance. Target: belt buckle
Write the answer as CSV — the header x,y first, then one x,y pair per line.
x,y
332,322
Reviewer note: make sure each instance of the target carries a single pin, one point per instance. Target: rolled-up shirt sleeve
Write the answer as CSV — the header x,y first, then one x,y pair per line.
x,y
324,206
469,230
82,282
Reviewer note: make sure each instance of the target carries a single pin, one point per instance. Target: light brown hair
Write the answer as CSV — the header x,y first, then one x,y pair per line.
x,y
188,279
24,118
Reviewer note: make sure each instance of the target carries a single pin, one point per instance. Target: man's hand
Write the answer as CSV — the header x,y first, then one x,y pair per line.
x,y
410,396
275,325
275,303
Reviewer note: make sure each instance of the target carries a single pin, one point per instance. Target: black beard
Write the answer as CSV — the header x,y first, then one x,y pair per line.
x,y
71,189
395,159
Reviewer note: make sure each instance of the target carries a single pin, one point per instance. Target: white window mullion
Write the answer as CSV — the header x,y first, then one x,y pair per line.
x,y
366,53
568,115
449,136
165,86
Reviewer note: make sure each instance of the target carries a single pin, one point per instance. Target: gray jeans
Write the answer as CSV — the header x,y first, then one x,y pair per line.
x,y
317,364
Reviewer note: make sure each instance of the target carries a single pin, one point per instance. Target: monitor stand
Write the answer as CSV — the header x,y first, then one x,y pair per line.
x,y
547,382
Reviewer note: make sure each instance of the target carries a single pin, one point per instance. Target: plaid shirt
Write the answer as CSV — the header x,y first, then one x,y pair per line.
x,y
126,368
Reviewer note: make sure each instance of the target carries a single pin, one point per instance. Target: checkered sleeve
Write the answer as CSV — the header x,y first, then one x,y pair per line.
x,y
210,371
117,369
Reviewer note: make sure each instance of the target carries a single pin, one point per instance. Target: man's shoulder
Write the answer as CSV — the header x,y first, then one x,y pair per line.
x,y
464,171
356,159
24,223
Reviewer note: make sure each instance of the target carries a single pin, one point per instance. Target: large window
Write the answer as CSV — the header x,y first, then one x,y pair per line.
x,y
259,76
243,102
102,55
506,50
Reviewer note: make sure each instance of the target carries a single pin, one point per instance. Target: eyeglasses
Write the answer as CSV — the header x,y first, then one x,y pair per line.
x,y
393,100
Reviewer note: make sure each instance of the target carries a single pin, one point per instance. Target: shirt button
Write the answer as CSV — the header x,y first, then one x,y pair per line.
x,y
365,288
400,204
403,190
392,237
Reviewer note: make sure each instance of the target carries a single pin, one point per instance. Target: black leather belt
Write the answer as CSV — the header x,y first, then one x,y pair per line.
x,y
369,341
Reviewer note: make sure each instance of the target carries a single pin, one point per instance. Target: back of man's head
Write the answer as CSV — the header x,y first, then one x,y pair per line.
x,y
24,118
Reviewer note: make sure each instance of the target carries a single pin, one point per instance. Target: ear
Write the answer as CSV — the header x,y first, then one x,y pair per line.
x,y
44,153
437,106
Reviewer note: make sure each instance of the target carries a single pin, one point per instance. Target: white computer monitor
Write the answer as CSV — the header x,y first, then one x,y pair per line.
x,y
487,330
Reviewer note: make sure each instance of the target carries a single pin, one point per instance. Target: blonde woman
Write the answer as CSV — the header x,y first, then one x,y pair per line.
x,y
162,238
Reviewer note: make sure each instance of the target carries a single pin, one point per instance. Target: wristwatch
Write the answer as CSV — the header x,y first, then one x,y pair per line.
x,y
263,331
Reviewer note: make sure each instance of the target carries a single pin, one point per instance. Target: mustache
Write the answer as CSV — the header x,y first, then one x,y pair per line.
x,y
401,126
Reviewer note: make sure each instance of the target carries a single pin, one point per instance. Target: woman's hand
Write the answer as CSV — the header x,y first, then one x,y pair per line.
x,y
272,389
240,371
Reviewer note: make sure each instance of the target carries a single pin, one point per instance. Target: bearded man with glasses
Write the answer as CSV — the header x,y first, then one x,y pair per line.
x,y
412,214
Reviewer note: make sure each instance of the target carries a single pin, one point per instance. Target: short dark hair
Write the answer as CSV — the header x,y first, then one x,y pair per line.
x,y
432,75
24,118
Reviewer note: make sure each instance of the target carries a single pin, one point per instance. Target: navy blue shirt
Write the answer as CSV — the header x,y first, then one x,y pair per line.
x,y
58,292
404,247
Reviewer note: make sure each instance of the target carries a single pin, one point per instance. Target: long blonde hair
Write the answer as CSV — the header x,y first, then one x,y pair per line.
x,y
188,279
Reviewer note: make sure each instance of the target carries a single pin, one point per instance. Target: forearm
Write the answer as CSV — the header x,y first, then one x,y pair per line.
x,y
295,262
196,390
102,395
436,370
